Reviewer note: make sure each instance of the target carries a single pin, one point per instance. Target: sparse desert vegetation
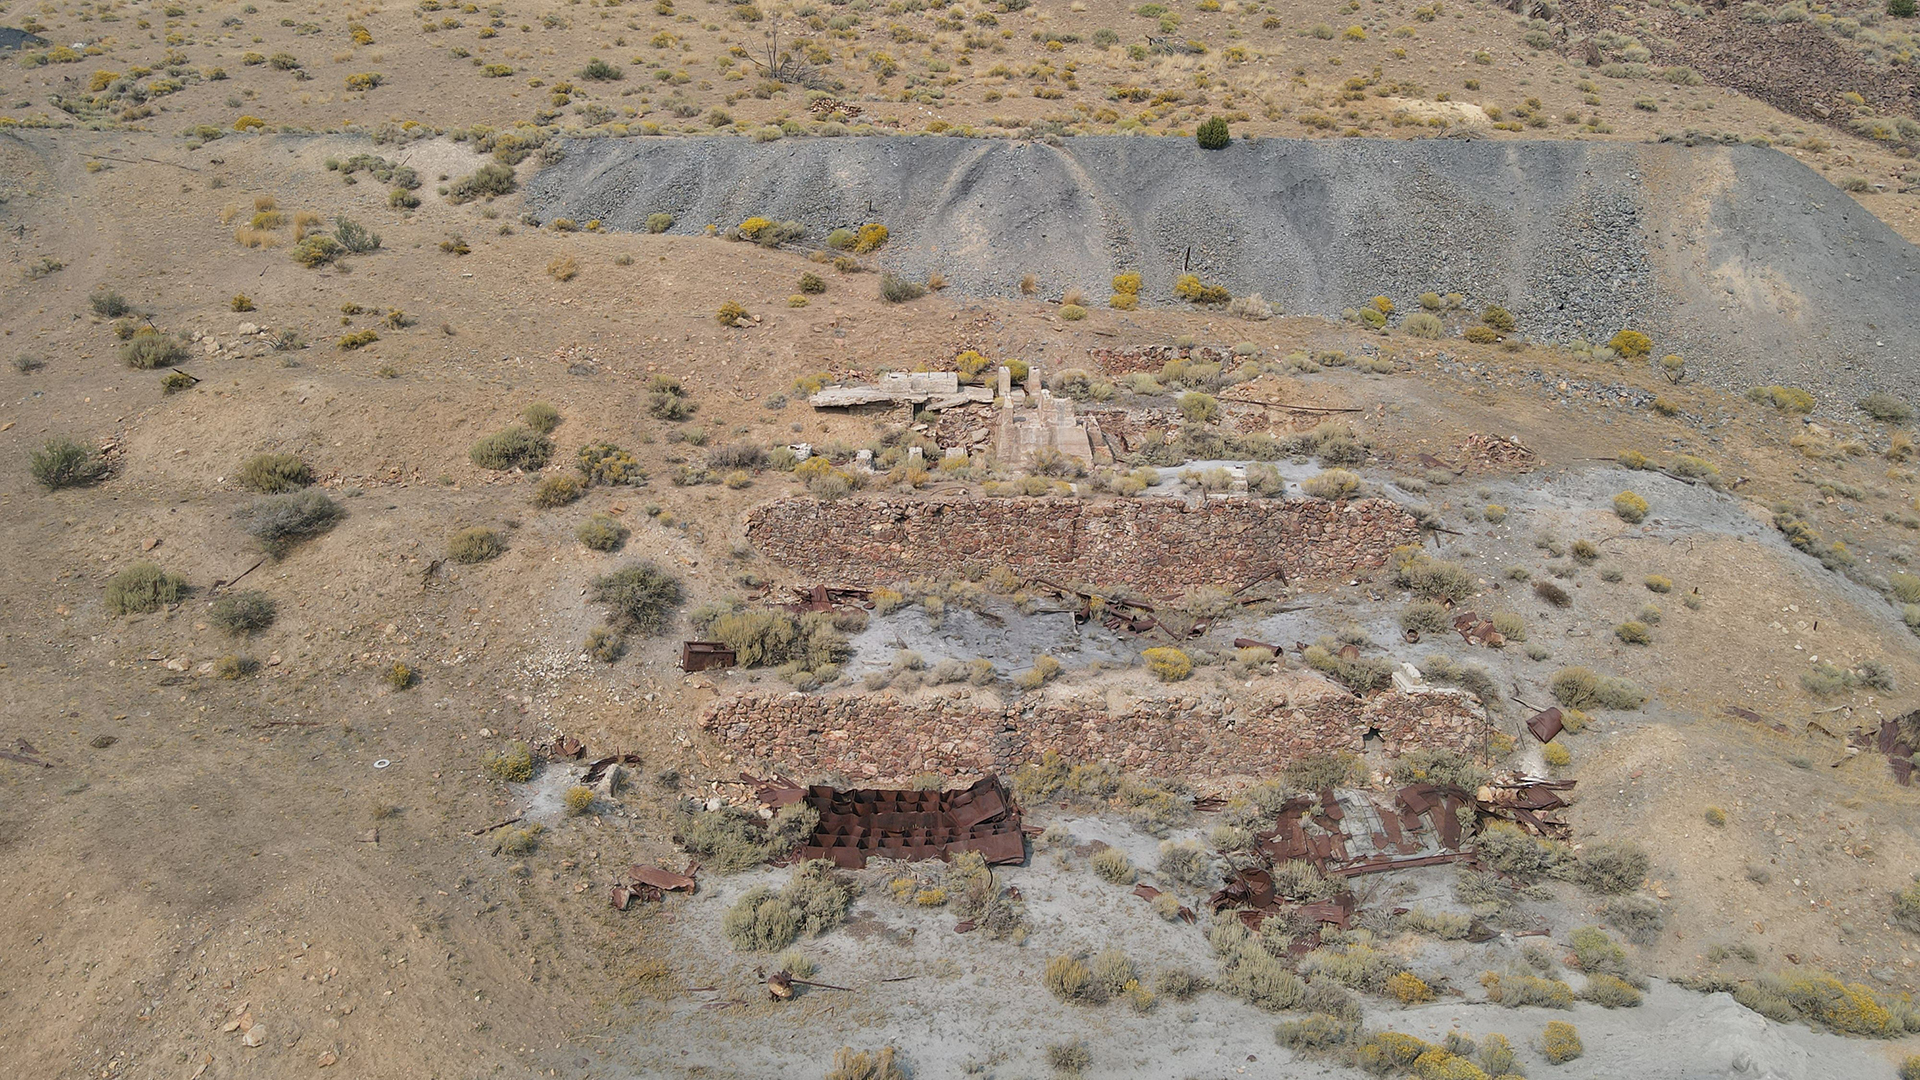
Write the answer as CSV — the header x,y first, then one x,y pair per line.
x,y
428,548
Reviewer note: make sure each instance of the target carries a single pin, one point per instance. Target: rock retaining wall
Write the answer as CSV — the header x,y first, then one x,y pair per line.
x,y
1156,545
883,737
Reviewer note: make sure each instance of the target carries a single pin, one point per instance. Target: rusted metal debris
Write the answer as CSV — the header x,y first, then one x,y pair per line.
x,y
1149,893
1354,833
24,753
1344,836
775,791
485,829
827,597
1526,801
1310,827
664,880
1894,739
1251,890
599,766
705,655
1276,571
1249,643
651,884
780,985
1495,452
1478,631
560,747
889,823
226,583
1402,864
1755,718
1129,616
1138,616
1546,724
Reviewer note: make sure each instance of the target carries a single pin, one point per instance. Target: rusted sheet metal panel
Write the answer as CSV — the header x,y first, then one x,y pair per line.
x,y
1476,630
651,884
1400,864
1546,724
660,879
986,800
1003,849
1524,801
705,655
892,823
1449,819
1337,911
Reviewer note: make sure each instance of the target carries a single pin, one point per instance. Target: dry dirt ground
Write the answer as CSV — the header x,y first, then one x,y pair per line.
x,y
204,851
1091,66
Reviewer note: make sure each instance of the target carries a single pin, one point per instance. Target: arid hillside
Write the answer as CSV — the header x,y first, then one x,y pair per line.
x,y
1436,591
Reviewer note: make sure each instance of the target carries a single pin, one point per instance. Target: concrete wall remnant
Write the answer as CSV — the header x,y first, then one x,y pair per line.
x,y
1033,422
933,389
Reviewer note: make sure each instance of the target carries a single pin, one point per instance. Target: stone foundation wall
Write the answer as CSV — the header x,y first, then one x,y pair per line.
x,y
887,738
1156,545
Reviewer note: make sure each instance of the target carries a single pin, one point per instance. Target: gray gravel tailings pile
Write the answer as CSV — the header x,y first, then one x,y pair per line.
x,y
1739,257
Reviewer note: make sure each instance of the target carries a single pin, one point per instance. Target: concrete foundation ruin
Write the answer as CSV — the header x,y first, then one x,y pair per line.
x,y
930,389
1033,423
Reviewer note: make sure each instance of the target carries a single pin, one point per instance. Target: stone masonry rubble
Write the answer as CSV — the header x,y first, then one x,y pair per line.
x,y
884,737
1156,545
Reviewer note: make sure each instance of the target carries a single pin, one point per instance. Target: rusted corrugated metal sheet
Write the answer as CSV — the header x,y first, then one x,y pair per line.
x,y
863,823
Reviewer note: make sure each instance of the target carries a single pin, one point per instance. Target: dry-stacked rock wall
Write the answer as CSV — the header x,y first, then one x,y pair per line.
x,y
1157,545
886,737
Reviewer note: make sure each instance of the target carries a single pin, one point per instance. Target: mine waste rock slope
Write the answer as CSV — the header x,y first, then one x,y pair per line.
x,y
1739,257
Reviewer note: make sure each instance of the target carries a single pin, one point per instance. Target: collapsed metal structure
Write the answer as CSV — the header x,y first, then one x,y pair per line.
x,y
892,823
1345,834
